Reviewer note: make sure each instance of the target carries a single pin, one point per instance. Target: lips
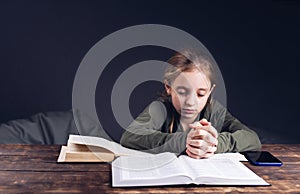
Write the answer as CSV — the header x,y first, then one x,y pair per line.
x,y
188,111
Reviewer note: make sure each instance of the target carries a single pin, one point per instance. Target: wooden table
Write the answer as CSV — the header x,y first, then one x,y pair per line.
x,y
33,168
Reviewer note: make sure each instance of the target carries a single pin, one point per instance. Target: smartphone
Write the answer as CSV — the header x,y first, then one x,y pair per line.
x,y
262,158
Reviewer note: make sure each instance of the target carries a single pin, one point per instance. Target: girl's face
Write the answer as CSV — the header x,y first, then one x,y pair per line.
x,y
189,93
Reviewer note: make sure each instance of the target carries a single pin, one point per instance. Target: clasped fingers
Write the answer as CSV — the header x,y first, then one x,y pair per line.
x,y
204,135
205,125
200,152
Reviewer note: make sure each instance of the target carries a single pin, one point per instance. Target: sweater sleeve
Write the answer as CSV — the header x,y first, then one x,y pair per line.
x,y
236,137
148,132
145,133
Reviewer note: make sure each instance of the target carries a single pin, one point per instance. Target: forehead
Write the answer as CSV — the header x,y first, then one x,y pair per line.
x,y
194,79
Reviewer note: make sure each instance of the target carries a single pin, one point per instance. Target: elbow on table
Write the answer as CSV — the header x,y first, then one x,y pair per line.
x,y
255,144
130,140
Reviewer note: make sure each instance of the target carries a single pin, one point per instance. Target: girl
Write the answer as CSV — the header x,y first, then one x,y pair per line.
x,y
185,118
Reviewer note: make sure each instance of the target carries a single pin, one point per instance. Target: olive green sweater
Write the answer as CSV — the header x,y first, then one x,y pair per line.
x,y
150,131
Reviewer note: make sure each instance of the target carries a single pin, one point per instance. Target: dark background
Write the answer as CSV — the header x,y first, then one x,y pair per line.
x,y
255,43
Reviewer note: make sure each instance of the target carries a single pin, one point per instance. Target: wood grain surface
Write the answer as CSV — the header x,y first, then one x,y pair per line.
x,y
33,168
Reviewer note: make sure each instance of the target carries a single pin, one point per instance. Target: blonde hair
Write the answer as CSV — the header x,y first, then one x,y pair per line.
x,y
187,61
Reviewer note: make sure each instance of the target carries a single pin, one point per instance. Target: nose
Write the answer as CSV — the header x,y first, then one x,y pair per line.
x,y
191,100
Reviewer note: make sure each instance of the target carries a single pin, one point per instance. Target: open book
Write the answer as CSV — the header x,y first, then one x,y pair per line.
x,y
168,169
93,149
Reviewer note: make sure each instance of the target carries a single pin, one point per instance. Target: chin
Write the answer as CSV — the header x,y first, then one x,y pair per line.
x,y
188,116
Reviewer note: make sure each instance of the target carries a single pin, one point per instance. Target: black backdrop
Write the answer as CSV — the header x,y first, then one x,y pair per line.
x,y
255,43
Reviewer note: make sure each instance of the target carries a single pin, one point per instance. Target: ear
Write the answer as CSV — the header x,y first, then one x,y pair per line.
x,y
167,87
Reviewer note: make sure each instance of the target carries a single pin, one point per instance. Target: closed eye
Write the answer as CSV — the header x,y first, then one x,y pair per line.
x,y
202,92
182,92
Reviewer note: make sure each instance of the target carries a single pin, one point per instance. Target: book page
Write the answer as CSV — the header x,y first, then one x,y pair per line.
x,y
233,156
152,167
167,169
122,151
217,167
116,148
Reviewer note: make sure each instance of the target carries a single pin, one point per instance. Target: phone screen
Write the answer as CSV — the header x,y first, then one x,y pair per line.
x,y
262,158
